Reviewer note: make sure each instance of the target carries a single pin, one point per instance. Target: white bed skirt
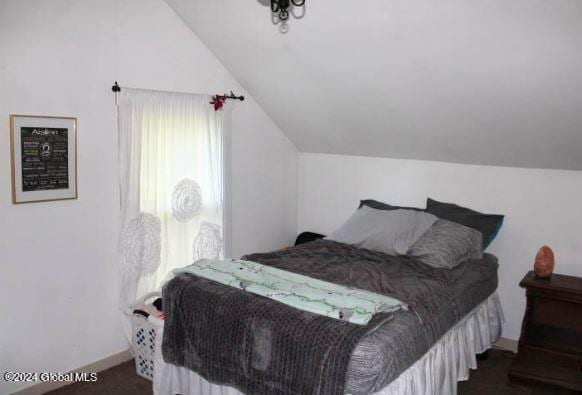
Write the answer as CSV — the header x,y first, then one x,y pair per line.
x,y
437,372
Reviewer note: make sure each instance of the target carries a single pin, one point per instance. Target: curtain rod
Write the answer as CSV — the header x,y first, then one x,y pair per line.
x,y
116,88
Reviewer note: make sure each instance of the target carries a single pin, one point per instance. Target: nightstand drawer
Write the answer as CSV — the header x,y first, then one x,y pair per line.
x,y
557,313
561,339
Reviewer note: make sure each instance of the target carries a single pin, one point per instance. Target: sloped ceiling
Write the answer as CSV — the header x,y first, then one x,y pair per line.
x,y
491,82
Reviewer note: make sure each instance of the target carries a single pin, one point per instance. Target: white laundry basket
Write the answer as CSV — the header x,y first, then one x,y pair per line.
x,y
143,339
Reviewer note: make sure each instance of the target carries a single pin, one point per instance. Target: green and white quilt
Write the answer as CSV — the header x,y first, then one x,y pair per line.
x,y
298,291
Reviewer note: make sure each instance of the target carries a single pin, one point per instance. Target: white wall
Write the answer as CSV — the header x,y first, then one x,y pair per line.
x,y
541,207
58,285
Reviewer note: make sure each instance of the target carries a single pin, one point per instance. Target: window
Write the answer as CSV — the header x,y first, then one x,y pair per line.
x,y
171,183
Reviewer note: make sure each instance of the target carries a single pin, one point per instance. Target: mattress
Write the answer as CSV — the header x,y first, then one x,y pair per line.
x,y
438,300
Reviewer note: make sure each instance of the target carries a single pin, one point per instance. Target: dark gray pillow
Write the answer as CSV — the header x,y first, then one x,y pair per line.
x,y
385,206
487,224
391,232
446,244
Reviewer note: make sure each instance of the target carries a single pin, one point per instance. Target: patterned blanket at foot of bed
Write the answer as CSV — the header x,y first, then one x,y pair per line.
x,y
296,290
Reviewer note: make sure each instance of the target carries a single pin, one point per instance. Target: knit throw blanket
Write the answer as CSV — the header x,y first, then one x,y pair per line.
x,y
258,345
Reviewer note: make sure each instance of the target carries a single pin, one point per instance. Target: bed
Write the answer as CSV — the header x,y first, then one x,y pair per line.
x,y
452,315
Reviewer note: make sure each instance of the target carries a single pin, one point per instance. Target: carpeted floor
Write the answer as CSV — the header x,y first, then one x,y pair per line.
x,y
119,380
489,379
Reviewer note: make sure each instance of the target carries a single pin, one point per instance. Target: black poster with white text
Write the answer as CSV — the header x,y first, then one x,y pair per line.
x,y
45,158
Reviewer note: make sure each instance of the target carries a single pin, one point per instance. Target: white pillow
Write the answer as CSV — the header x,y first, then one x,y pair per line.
x,y
392,232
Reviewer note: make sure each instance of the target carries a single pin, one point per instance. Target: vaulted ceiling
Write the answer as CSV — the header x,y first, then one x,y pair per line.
x,y
491,82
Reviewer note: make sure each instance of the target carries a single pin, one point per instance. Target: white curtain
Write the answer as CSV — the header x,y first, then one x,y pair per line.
x,y
171,184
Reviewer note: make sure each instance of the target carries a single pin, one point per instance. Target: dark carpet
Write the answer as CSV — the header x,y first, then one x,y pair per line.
x,y
489,379
119,380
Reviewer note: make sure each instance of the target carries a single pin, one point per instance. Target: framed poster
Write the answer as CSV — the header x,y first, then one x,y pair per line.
x,y
44,158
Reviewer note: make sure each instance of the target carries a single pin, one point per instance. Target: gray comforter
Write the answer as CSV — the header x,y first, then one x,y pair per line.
x,y
438,298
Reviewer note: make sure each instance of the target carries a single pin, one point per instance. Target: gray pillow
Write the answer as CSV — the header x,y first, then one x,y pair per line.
x,y
391,232
446,244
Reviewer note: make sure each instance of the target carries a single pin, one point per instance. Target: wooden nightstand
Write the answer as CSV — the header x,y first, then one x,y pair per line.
x,y
550,345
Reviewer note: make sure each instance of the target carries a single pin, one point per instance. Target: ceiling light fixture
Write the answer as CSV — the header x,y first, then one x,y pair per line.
x,y
281,7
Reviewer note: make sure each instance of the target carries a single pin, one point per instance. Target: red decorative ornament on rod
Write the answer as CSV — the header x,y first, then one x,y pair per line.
x,y
219,100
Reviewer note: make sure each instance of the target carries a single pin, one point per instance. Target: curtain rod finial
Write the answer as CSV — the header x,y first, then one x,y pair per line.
x,y
116,88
